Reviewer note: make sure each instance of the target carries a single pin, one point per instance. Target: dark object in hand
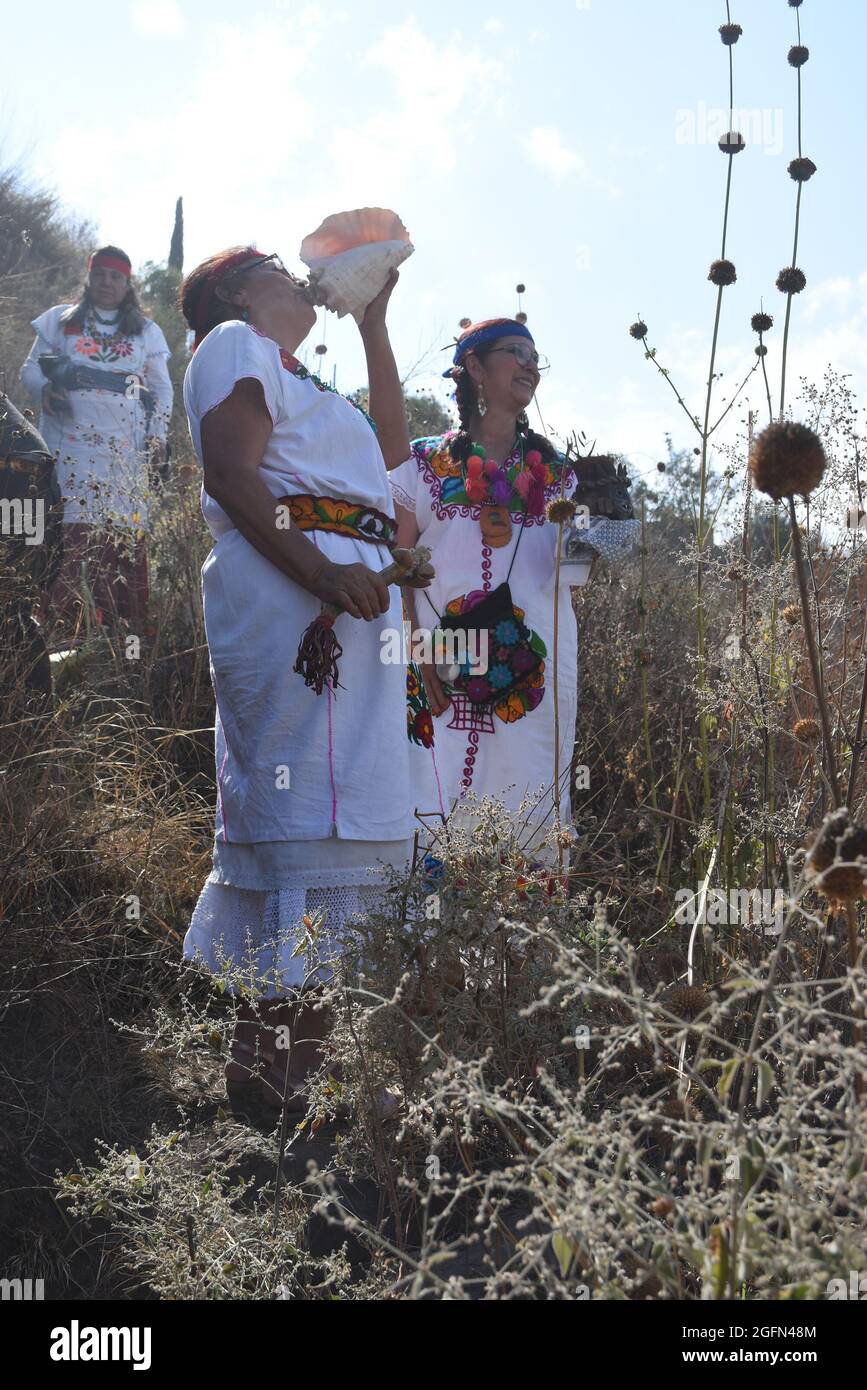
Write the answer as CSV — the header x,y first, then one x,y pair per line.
x,y
603,487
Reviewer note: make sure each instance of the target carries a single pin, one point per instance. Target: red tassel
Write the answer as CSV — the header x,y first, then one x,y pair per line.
x,y
318,654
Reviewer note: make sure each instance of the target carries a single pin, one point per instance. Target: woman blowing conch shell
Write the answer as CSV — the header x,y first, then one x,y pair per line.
x,y
313,793
351,257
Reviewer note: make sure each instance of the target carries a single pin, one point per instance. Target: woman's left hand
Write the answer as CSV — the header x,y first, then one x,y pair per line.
x,y
374,314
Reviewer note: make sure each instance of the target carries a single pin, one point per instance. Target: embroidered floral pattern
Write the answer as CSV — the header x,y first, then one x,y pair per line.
x,y
102,347
529,693
343,518
419,720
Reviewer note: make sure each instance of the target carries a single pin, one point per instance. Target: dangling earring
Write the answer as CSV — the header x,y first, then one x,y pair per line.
x,y
245,314
481,403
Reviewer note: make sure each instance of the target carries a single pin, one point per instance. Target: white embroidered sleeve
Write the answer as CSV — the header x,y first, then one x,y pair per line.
x,y
404,484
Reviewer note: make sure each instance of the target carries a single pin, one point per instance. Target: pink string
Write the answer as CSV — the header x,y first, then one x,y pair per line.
x,y
331,757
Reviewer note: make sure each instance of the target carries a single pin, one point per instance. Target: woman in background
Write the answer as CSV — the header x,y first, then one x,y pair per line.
x,y
98,368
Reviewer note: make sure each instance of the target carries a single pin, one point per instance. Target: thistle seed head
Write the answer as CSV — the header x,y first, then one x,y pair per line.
x,y
786,459
561,510
836,857
791,280
802,169
732,142
722,273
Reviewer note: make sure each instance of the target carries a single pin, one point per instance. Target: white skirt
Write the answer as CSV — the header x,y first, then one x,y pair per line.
x,y
272,916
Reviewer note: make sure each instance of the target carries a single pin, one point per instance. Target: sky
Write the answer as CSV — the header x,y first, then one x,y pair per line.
x,y
567,144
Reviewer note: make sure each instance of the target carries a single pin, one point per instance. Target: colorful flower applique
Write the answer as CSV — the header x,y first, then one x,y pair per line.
x,y
419,720
530,692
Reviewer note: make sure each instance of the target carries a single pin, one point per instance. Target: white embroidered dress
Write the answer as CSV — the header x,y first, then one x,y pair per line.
x,y
313,793
506,752
100,443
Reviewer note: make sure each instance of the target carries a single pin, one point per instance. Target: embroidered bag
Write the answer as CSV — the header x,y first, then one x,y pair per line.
x,y
511,658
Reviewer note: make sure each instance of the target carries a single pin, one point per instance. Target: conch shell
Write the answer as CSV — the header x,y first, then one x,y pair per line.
x,y
351,257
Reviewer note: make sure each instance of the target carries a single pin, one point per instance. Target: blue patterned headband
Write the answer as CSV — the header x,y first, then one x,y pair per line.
x,y
488,333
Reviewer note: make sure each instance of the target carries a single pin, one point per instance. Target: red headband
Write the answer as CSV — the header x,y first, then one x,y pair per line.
x,y
210,286
110,262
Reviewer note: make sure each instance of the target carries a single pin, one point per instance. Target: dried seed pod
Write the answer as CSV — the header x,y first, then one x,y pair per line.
x,y
730,33
638,330
732,142
801,169
791,614
561,510
807,730
761,323
798,55
688,1001
791,280
786,459
722,273
837,857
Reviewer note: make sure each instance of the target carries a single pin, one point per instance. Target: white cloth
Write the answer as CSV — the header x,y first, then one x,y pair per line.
x,y
260,942
313,791
100,446
347,770
507,754
250,915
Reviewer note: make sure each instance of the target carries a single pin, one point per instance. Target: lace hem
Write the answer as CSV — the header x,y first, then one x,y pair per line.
x,y
402,498
303,879
273,942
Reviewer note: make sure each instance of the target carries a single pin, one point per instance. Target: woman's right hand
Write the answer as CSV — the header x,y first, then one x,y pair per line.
x,y
437,698
354,589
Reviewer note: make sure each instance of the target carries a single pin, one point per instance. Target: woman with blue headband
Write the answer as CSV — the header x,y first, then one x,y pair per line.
x,y
483,722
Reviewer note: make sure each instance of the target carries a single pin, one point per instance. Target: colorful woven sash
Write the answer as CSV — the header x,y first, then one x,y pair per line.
x,y
344,518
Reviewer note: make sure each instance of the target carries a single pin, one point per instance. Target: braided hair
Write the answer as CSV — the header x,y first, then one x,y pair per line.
x,y
466,399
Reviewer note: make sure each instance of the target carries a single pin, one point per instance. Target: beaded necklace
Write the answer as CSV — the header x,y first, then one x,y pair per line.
x,y
109,336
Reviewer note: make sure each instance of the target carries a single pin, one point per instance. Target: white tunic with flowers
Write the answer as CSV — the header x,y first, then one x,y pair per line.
x,y
100,445
507,751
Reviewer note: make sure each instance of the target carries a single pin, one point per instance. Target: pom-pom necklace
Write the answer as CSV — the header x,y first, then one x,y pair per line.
x,y
488,483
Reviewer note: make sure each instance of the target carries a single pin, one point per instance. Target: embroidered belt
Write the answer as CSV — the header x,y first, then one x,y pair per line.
x,y
343,518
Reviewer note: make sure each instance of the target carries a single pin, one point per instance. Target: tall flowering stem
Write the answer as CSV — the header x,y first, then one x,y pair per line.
x,y
722,274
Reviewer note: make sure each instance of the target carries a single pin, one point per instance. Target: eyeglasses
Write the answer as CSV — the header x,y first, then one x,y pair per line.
x,y
273,262
525,355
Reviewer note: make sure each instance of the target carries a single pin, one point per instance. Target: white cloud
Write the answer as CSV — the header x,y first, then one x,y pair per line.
x,y
546,148
839,292
231,150
157,18
494,26
420,133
